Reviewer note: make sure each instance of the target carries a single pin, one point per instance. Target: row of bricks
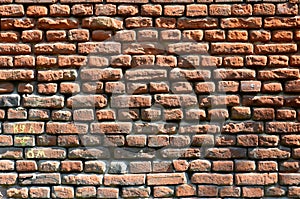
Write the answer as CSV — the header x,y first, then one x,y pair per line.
x,y
174,35
165,87
184,190
154,10
108,23
154,114
115,48
123,153
152,128
159,61
150,74
154,141
146,1
152,179
137,167
143,101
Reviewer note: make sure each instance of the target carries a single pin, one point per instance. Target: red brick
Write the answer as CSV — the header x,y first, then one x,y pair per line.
x,y
127,10
107,192
17,192
63,192
243,23
264,9
185,190
252,192
194,10
174,10
219,10
207,191
59,10
86,192
241,9
37,11
212,178
71,166
230,191
39,192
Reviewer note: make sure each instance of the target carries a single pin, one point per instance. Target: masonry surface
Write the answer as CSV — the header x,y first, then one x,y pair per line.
x,y
149,99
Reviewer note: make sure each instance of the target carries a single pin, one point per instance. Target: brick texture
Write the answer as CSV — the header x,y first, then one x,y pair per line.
x,y
149,99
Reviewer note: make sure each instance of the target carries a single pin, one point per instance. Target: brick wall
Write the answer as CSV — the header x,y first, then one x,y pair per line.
x,y
149,99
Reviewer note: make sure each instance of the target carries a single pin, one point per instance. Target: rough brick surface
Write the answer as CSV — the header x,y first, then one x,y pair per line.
x,y
149,99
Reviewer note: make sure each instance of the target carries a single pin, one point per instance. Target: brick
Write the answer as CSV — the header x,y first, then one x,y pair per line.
x,y
151,10
263,114
230,191
37,11
86,192
293,192
249,127
241,9
243,23
125,179
127,10
207,190
166,179
9,37
219,10
225,166
135,192
59,10
280,22
174,10
98,47
48,88
252,192
268,140
140,167
197,23
289,179
287,9
56,35
55,48
237,74
12,10
39,192
256,179
39,179
43,102
260,35
52,23
49,166
6,140
275,191
162,191
78,35
264,9
17,192
230,48
107,192
194,10
82,9
65,128
185,190
289,166
267,166
214,35
274,153
82,179
96,166
71,166
212,178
